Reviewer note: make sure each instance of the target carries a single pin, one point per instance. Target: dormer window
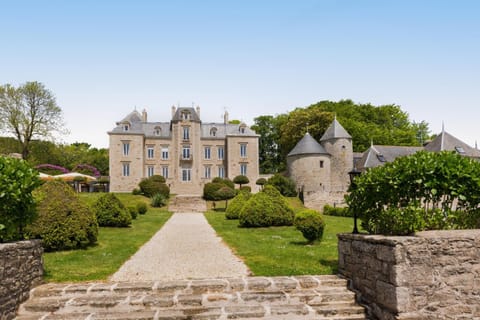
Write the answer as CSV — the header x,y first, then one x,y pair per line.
x,y
157,131
185,115
381,158
126,127
460,150
213,132
242,128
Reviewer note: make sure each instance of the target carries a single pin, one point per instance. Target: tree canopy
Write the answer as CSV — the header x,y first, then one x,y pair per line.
x,y
366,123
29,111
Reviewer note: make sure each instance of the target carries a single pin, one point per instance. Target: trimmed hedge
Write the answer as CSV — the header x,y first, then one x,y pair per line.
x,y
111,212
236,204
64,221
337,211
153,185
210,190
310,223
265,209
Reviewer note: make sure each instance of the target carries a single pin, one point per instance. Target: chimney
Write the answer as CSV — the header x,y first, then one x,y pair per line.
x,y
225,117
144,115
173,111
198,112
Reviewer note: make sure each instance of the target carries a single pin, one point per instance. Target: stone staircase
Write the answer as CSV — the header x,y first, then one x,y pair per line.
x,y
187,203
299,297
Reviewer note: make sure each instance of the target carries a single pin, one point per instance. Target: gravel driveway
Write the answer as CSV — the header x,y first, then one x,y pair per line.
x,y
186,247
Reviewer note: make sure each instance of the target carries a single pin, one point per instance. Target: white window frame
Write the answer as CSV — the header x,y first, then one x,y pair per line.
x,y
125,169
186,154
165,154
150,171
126,148
243,169
186,174
243,150
220,152
150,152
207,153
165,172
221,171
186,133
207,172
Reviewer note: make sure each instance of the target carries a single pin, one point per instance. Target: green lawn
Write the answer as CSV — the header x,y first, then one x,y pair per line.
x,y
114,247
282,251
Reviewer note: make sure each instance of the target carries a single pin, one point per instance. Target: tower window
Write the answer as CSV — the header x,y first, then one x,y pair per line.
x,y
321,163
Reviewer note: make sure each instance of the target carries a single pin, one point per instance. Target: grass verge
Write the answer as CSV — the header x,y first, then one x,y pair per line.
x,y
114,247
282,251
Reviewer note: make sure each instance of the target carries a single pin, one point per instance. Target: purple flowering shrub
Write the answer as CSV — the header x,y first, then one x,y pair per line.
x,y
87,169
51,169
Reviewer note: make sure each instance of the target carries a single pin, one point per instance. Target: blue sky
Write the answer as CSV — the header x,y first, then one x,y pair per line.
x,y
104,58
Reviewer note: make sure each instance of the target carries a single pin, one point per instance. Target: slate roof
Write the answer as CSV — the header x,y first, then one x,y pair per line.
x,y
307,145
335,131
224,130
193,114
379,155
445,141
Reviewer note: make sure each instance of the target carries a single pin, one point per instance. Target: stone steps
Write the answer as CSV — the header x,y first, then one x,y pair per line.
x,y
187,204
300,297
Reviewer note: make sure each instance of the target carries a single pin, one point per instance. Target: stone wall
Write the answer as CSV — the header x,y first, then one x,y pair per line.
x,y
432,275
21,268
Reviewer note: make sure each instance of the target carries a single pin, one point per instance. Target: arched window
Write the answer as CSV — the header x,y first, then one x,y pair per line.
x,y
213,132
157,131
185,115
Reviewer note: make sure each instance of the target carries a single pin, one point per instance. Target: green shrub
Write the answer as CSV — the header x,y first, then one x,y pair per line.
x,y
136,192
265,209
64,221
142,207
158,178
158,200
241,180
210,190
225,193
285,185
17,206
153,185
111,212
310,223
235,206
424,191
337,211
261,182
224,181
133,212
246,188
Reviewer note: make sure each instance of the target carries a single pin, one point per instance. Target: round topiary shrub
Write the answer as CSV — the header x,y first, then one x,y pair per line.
x,y
261,182
111,212
158,178
229,183
241,180
133,212
210,190
141,207
64,221
153,185
236,204
310,223
17,205
265,210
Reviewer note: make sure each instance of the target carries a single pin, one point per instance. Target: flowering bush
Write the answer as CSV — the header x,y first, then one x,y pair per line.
x,y
87,169
51,168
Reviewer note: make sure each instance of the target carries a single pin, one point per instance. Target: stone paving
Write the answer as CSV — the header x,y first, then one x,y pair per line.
x,y
300,297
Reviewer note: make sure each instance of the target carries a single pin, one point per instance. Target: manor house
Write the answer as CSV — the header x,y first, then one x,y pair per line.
x,y
184,150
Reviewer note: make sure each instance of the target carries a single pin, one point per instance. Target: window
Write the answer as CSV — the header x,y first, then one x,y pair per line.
x,y
185,115
208,172
207,152
221,172
186,153
125,169
165,172
164,153
186,133
321,163
157,131
126,148
381,158
186,175
460,150
126,127
243,150
150,153
213,132
243,169
220,153
150,171
242,128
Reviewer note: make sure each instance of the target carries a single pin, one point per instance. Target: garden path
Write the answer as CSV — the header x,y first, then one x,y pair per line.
x,y
186,247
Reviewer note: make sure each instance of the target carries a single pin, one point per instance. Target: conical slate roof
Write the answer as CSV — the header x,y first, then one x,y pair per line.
x,y
307,145
335,131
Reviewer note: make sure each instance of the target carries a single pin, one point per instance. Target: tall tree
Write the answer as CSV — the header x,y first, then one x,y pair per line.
x,y
28,112
268,127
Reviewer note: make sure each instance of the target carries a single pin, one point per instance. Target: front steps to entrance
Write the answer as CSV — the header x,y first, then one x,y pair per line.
x,y
299,297
186,203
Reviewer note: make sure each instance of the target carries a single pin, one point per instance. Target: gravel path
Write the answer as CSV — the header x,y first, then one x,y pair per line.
x,y
186,247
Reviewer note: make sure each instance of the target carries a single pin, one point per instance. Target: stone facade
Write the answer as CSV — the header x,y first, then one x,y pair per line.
x,y
186,151
432,275
320,170
21,268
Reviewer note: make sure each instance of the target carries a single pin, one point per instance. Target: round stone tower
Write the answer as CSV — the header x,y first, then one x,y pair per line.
x,y
338,143
309,166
